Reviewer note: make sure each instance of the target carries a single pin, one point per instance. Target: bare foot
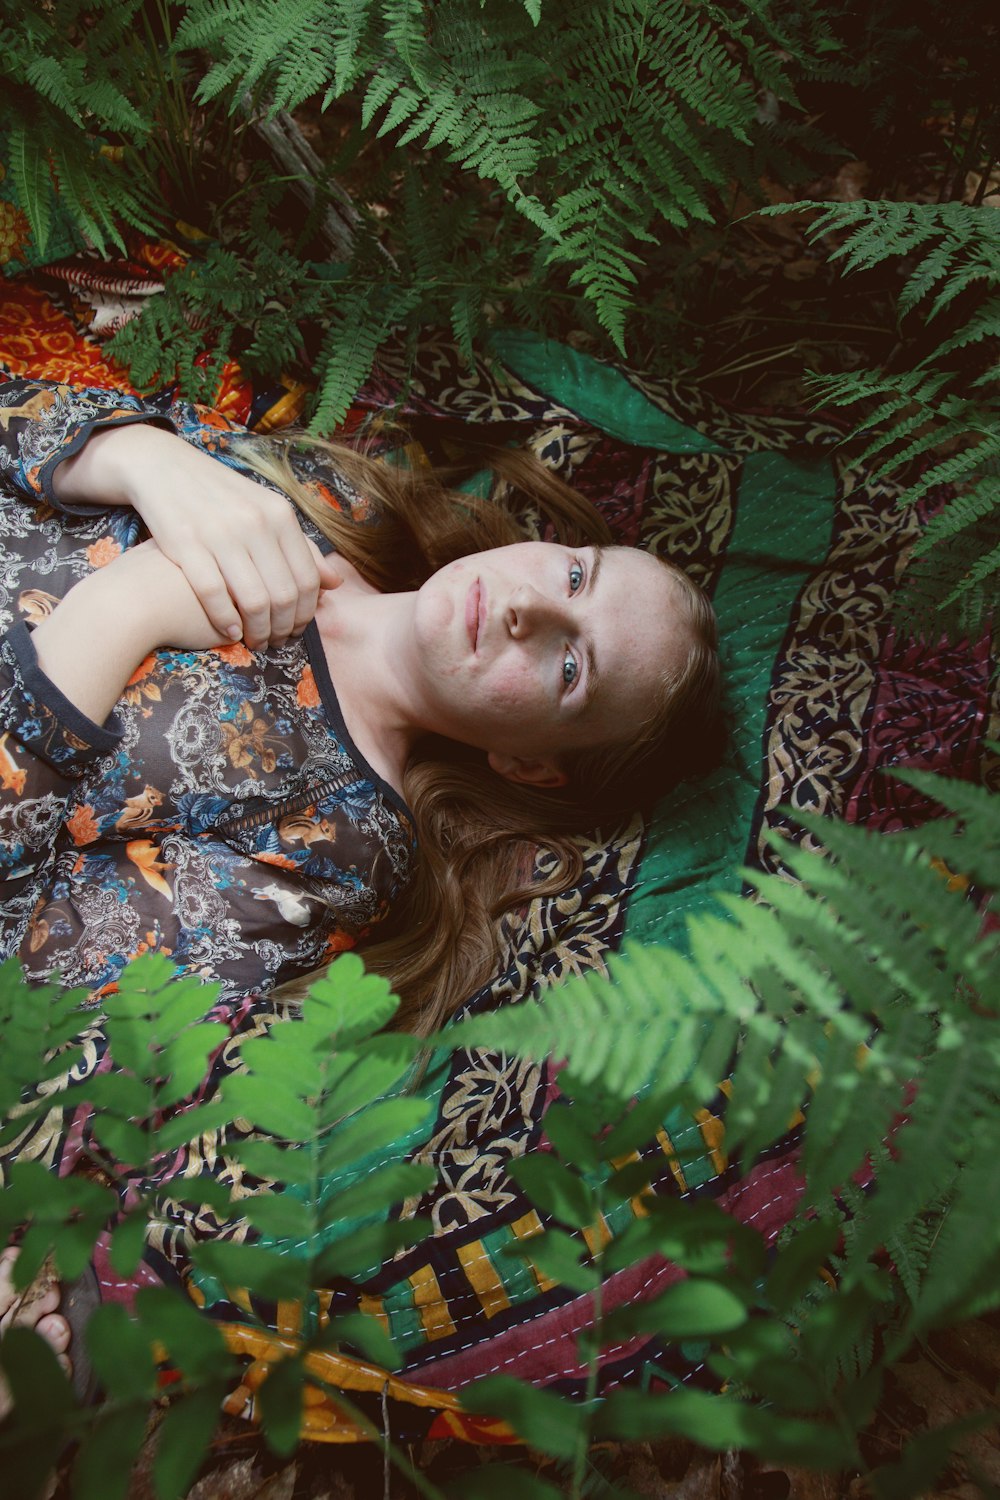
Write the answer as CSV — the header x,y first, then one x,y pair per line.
x,y
30,1308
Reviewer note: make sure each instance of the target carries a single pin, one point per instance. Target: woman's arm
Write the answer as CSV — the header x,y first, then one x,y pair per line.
x,y
239,543
60,683
94,639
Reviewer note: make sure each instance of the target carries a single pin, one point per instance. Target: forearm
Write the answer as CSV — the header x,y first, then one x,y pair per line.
x,y
106,469
109,622
91,644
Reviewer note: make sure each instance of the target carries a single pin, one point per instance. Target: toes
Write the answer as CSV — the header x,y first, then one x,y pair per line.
x,y
7,1293
55,1331
30,1308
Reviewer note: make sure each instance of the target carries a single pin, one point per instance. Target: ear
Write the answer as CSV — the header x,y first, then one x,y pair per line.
x,y
544,773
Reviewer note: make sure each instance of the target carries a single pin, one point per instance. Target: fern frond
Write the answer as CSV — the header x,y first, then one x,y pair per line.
x,y
31,177
58,81
983,324
363,322
978,503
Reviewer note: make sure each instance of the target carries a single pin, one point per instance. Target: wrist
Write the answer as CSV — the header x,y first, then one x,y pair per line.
x,y
109,468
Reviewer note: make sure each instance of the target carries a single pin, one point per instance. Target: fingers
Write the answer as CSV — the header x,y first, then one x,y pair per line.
x,y
290,577
330,576
243,552
214,593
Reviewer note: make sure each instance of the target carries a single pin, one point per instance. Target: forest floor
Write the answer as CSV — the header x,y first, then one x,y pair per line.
x,y
953,1377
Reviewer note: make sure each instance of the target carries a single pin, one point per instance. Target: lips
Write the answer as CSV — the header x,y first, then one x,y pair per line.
x,y
473,613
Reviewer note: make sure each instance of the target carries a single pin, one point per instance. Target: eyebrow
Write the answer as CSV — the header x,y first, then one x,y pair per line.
x,y
593,675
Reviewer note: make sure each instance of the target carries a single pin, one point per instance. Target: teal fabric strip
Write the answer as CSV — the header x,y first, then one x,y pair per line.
x,y
698,837
598,393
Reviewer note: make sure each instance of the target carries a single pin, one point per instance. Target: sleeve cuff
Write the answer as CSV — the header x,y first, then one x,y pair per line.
x,y
42,718
68,449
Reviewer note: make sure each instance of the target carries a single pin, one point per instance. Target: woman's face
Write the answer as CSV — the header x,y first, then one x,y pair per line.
x,y
536,649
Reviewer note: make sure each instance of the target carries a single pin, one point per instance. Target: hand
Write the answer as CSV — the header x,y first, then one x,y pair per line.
x,y
238,544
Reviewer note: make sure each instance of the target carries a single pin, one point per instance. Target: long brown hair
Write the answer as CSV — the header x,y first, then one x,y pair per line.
x,y
476,832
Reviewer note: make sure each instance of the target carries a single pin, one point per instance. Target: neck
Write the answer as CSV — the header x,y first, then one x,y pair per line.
x,y
367,639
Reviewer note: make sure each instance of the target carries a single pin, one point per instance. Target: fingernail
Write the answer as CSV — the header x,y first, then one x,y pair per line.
x,y
234,632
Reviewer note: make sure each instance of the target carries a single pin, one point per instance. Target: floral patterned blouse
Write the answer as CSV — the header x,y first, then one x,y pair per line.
x,y
222,816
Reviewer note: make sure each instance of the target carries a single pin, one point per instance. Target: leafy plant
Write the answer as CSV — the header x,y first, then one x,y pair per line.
x,y
932,420
309,1084
64,91
534,160
858,999
830,996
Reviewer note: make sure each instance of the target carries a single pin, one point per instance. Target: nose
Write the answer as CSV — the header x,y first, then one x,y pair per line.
x,y
529,611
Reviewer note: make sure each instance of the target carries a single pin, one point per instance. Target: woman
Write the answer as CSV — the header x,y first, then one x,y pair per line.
x,y
252,813
377,773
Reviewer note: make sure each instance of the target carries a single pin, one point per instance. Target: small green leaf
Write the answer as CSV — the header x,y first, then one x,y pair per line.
x,y
37,1382
566,1127
269,1273
121,1353
797,1265
550,1423
354,1004
379,1192
697,1236
639,1126
121,1094
195,1343
280,1216
128,1241
362,1253
364,1071
124,1142
185,1127
283,1164
558,1256
374,1128
184,1061
277,1111
631,1179
555,1189
718,1423
362,1332
183,1440
104,1463
281,1405
691,1309
182,1002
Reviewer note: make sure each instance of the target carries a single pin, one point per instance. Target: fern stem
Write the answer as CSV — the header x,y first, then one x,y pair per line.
x,y
984,182
737,366
593,1364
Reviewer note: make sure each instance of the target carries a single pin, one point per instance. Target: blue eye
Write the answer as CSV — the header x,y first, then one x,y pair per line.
x,y
575,578
569,669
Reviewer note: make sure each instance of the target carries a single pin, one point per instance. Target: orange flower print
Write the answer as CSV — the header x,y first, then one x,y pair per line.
x,y
15,232
246,741
307,692
338,942
103,551
83,827
236,653
281,860
138,687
